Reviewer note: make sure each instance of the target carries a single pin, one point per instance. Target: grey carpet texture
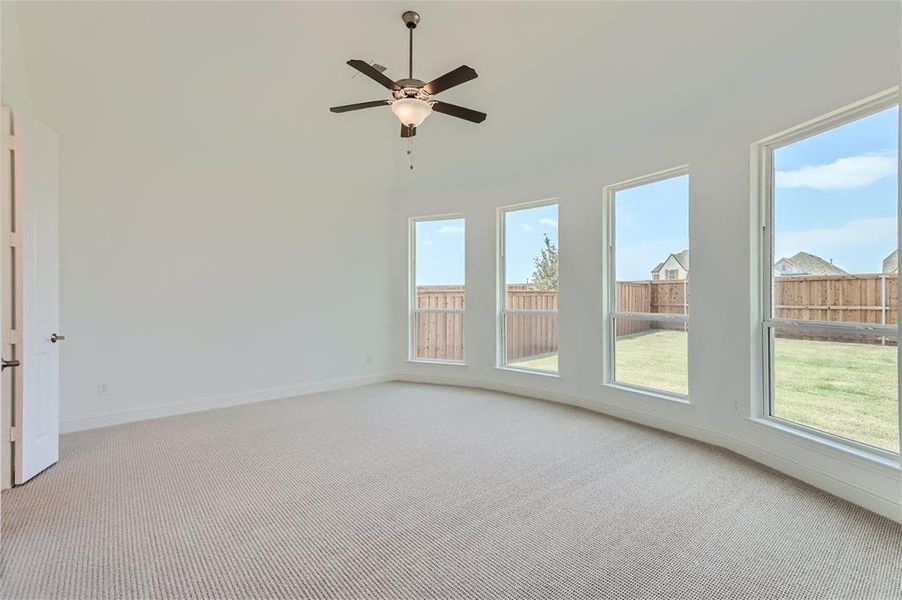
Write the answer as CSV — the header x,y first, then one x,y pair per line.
x,y
415,491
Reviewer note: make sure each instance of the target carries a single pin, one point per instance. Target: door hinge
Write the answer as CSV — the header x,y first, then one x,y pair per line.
x,y
11,142
13,239
13,433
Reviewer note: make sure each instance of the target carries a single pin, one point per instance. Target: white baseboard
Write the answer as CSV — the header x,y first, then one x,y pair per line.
x,y
211,402
887,507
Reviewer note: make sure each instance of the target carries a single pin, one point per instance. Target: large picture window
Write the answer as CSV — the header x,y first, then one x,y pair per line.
x,y
831,273
529,287
648,283
437,290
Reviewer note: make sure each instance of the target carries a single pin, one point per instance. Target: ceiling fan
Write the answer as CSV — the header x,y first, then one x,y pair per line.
x,y
413,100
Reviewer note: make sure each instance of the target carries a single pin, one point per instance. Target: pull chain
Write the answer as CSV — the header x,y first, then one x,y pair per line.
x,y
410,151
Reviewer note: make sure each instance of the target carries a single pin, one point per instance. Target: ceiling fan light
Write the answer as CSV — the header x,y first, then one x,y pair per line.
x,y
411,111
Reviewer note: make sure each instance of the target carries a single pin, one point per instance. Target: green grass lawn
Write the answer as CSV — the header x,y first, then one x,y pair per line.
x,y
846,389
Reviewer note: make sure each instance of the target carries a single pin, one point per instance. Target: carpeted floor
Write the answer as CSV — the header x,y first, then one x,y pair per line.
x,y
411,491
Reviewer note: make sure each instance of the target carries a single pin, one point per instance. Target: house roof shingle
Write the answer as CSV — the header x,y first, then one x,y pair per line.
x,y
803,263
680,257
891,263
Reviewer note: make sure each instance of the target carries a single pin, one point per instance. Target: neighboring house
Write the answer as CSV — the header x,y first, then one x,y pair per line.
x,y
675,266
803,263
891,263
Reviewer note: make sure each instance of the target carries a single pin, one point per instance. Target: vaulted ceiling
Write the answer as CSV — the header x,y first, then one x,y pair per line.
x,y
553,77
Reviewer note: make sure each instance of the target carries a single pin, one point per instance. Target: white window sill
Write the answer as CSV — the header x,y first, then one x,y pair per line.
x,y
448,363
648,392
826,444
538,372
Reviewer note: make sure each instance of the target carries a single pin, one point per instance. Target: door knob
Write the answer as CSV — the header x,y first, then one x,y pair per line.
x,y
54,338
9,363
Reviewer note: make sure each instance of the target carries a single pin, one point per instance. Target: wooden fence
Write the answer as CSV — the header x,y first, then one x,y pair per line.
x,y
530,335
659,296
440,335
871,298
848,298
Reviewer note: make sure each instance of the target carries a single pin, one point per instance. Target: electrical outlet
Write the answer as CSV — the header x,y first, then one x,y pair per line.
x,y
369,359
103,388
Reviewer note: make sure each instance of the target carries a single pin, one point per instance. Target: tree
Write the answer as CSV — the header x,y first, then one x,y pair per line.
x,y
545,274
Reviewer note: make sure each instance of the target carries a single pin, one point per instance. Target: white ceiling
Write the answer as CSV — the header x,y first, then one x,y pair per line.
x,y
553,77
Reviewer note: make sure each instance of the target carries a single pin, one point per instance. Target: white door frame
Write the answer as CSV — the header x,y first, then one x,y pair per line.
x,y
7,329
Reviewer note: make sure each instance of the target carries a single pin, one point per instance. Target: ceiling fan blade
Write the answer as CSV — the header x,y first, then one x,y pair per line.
x,y
458,76
373,73
349,107
407,132
460,112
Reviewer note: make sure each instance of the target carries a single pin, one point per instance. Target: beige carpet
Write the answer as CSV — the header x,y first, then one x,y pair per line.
x,y
413,491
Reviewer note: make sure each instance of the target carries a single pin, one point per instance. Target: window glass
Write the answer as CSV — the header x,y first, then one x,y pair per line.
x,y
652,354
530,312
835,197
439,292
832,330
843,384
650,290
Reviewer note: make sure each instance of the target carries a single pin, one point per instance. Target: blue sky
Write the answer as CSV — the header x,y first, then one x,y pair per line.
x,y
652,222
440,252
524,239
836,194
440,245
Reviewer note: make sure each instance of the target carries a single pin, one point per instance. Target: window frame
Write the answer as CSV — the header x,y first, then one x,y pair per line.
x,y
611,312
502,310
413,310
763,163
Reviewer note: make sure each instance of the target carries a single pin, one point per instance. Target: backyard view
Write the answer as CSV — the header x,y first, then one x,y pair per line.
x,y
835,269
843,388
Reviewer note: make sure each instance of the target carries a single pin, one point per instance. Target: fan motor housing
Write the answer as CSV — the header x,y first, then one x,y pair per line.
x,y
411,88
411,19
411,83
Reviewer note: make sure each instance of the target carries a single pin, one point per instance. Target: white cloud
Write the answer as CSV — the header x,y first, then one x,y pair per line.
x,y
843,173
428,243
451,229
871,237
548,222
528,228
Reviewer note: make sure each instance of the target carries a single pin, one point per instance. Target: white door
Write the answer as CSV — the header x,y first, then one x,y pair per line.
x,y
36,406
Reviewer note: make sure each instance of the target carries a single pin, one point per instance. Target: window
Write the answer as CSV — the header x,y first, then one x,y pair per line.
x,y
830,276
529,288
437,290
648,314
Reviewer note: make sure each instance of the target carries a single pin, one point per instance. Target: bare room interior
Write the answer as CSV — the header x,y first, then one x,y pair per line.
x,y
496,300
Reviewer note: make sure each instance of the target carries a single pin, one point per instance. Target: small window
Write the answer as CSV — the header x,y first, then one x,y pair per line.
x,y
529,288
648,283
831,275
437,291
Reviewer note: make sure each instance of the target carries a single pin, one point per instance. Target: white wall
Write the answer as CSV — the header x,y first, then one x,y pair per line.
x,y
667,85
214,248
